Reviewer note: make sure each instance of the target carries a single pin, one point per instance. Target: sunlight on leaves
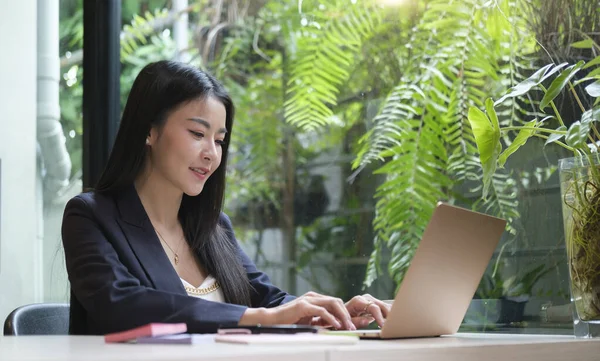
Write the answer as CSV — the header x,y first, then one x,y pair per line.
x,y
559,83
555,136
577,134
593,89
487,136
529,83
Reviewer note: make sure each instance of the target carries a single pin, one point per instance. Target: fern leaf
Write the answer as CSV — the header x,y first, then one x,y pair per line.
x,y
140,30
324,56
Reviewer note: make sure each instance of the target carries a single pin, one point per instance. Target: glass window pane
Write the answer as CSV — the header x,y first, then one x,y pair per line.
x,y
353,121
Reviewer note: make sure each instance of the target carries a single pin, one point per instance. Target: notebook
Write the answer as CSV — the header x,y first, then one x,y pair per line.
x,y
179,339
444,273
151,329
288,339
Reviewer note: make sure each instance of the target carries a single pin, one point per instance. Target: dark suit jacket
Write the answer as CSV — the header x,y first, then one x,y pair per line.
x,y
121,277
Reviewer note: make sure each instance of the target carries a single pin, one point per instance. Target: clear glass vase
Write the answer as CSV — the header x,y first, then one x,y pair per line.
x,y
580,193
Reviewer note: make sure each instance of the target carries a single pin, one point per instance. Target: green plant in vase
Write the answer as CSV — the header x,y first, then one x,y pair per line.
x,y
580,175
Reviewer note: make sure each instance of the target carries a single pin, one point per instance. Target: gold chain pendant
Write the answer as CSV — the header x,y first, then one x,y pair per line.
x,y
202,291
176,259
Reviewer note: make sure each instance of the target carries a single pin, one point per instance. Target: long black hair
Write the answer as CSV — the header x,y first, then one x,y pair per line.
x,y
158,90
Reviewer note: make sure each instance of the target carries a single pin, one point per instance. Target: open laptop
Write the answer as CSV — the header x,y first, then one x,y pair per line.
x,y
446,269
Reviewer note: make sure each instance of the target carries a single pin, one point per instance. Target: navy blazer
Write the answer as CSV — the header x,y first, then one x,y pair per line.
x,y
121,277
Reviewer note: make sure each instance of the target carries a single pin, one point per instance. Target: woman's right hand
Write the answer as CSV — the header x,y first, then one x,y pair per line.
x,y
302,310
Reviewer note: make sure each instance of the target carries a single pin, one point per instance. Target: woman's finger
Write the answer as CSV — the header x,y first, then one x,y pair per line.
x,y
337,308
357,305
374,310
384,306
310,309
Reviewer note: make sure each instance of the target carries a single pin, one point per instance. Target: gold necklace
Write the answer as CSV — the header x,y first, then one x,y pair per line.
x,y
176,258
202,291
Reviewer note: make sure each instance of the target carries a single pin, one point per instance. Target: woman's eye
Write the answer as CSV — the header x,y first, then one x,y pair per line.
x,y
220,142
197,134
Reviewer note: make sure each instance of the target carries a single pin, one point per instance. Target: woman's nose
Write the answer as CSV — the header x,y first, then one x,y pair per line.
x,y
209,150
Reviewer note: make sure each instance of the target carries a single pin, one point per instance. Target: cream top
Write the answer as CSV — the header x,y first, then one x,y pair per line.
x,y
209,290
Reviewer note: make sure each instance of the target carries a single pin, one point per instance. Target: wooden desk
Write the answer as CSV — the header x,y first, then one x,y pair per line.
x,y
93,348
473,347
463,347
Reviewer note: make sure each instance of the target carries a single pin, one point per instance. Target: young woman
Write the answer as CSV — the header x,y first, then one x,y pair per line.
x,y
151,244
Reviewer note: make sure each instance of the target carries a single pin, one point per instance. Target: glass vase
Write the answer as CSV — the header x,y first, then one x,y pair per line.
x,y
580,198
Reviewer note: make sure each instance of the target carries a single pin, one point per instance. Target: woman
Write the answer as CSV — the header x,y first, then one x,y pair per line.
x,y
151,244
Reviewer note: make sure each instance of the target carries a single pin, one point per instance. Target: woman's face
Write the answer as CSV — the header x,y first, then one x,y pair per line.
x,y
188,148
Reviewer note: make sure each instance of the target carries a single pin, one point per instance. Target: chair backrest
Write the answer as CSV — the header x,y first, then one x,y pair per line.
x,y
38,319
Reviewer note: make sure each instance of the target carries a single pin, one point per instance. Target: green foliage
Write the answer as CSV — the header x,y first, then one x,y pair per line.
x,y
579,185
326,46
422,134
258,65
491,287
523,283
487,136
256,141
140,28
576,135
70,86
404,81
71,29
257,85
140,45
559,83
326,241
500,285
501,199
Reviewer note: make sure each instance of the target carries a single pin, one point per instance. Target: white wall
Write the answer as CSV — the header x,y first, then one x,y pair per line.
x,y
20,248
56,284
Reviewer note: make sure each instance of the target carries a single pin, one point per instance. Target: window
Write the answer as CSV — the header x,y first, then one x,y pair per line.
x,y
352,122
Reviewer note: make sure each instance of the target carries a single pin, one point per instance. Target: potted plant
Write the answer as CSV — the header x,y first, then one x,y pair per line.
x,y
579,176
517,289
502,299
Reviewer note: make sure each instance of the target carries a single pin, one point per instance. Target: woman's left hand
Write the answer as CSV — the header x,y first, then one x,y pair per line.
x,y
366,309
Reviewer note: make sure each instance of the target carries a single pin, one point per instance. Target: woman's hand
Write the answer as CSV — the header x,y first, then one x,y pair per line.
x,y
365,309
303,310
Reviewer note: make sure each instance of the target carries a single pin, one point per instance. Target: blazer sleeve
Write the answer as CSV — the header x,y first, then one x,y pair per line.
x,y
265,293
113,298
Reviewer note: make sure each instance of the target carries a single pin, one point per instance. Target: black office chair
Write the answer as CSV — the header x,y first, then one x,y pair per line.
x,y
38,319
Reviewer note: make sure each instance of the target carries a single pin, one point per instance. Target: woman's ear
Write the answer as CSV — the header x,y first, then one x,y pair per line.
x,y
152,136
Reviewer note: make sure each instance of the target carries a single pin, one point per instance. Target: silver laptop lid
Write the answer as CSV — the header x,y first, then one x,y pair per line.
x,y
445,271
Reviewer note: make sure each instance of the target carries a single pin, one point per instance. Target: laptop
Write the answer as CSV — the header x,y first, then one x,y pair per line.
x,y
442,278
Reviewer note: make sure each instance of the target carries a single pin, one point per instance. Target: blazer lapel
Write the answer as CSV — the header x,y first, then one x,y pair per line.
x,y
143,240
